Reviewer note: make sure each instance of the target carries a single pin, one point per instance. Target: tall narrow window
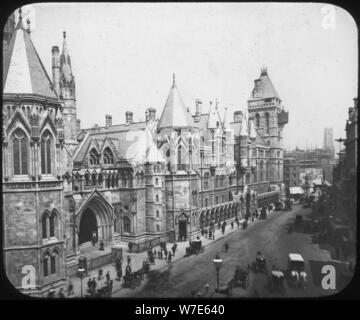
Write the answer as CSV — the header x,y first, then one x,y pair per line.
x,y
267,122
53,264
45,150
52,224
180,154
127,224
257,120
94,157
20,152
46,265
108,156
44,225
261,171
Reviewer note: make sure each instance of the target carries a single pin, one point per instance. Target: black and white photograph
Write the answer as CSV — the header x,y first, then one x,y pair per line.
x,y
179,150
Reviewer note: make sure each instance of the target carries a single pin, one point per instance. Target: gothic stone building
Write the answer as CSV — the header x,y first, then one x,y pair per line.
x,y
161,179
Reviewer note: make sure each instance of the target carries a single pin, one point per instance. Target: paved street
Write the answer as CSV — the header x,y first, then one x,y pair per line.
x,y
270,236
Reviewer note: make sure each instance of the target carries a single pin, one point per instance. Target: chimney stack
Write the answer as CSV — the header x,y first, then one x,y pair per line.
x,y
238,115
108,119
129,117
78,127
151,112
56,68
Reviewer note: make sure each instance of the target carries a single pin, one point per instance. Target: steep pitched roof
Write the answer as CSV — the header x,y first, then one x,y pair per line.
x,y
174,114
23,71
263,87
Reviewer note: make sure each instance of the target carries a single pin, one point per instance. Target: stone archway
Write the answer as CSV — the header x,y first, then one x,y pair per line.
x,y
96,215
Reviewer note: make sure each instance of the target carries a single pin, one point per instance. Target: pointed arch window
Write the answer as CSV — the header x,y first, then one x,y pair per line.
x,y
52,224
94,157
44,225
20,152
53,264
126,224
45,150
180,162
108,156
46,264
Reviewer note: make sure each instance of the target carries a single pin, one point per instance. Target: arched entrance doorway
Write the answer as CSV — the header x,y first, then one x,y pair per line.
x,y
95,215
88,226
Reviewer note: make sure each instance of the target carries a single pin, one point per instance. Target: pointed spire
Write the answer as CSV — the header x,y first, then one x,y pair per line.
x,y
28,25
173,83
226,122
64,49
213,117
174,113
20,24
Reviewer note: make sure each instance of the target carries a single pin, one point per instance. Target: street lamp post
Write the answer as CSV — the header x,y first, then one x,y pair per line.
x,y
81,272
217,263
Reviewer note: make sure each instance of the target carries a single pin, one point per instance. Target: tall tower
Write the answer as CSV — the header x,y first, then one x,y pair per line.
x,y
64,85
264,106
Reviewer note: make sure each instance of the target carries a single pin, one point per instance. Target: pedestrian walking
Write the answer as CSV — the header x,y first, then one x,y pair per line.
x,y
128,260
219,225
173,249
202,231
210,234
169,257
206,233
107,277
232,224
213,235
226,246
119,274
89,284
70,288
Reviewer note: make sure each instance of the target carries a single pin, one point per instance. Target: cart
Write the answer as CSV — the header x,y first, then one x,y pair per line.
x,y
276,281
194,248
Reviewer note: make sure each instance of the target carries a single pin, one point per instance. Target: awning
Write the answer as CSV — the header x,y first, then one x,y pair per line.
x,y
296,190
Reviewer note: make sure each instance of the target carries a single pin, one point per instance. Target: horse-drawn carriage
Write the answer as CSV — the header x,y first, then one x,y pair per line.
x,y
296,270
241,278
132,279
259,265
276,281
194,248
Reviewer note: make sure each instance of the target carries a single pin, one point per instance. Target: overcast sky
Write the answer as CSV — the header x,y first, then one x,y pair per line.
x,y
123,56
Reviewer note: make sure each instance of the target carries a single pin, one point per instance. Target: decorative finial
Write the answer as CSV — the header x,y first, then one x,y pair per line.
x,y
173,80
20,13
64,34
264,70
28,24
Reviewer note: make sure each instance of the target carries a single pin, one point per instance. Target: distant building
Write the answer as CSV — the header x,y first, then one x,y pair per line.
x,y
291,172
314,158
345,172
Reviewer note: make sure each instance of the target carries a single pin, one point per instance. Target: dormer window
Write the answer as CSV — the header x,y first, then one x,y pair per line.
x,y
94,157
108,156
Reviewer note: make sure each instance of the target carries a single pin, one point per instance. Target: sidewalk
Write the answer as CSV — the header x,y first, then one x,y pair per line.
x,y
137,262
